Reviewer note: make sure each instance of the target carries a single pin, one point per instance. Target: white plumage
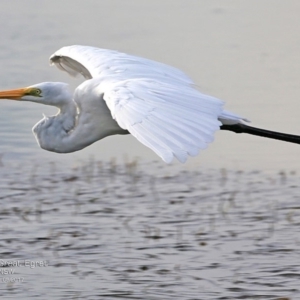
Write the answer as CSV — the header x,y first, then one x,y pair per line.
x,y
156,103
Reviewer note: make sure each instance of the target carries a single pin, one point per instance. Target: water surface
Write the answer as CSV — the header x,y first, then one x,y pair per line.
x,y
116,231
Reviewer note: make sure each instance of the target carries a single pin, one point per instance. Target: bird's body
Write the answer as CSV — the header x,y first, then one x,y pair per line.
x,y
156,103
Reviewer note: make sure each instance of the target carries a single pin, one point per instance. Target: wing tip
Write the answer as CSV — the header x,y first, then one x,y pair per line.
x,y
53,59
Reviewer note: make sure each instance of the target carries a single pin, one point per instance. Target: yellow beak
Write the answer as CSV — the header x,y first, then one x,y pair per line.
x,y
15,94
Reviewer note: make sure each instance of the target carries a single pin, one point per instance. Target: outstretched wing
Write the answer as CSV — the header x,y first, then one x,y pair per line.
x,y
156,103
92,62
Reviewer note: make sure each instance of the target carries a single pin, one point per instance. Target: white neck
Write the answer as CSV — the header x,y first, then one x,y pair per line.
x,y
75,127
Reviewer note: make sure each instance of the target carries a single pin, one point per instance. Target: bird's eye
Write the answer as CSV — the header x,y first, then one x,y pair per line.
x,y
37,92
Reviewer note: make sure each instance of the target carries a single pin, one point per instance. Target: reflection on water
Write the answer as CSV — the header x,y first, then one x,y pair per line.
x,y
117,231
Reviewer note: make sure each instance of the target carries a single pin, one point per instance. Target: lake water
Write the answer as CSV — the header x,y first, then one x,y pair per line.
x,y
113,221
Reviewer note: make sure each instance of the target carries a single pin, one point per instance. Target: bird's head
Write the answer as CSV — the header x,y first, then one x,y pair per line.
x,y
48,93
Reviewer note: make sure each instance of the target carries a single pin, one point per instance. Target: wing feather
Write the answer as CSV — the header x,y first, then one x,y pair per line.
x,y
161,116
93,62
150,141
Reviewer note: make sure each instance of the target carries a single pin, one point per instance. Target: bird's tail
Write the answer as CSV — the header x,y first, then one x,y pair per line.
x,y
243,128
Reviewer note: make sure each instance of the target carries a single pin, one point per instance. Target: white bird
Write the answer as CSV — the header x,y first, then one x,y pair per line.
x,y
158,104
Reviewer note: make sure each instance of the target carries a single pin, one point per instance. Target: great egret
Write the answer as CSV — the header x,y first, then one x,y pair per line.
x,y
156,103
